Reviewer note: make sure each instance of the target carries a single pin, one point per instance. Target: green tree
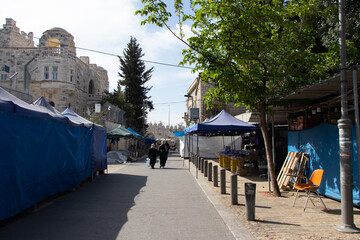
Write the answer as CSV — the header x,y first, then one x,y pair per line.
x,y
133,77
328,29
253,50
117,98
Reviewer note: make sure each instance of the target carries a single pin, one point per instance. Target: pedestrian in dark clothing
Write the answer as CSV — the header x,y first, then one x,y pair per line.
x,y
152,153
163,152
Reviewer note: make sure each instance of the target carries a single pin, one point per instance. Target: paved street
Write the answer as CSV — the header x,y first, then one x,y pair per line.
x,y
135,202
131,202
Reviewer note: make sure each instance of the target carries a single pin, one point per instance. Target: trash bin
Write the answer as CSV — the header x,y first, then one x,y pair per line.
x,y
250,190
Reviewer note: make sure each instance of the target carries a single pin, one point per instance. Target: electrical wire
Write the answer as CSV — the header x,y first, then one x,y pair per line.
x,y
169,103
186,67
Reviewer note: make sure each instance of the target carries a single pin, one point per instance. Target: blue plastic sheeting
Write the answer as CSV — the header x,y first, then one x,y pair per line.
x,y
99,152
39,158
137,136
222,124
179,133
149,140
322,144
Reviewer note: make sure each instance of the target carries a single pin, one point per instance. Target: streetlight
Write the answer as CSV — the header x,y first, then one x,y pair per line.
x,y
344,124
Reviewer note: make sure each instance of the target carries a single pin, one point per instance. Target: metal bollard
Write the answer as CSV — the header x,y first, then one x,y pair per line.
x,y
234,189
205,168
202,165
210,172
216,182
250,190
222,181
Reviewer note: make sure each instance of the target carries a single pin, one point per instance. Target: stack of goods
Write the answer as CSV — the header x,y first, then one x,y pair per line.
x,y
232,159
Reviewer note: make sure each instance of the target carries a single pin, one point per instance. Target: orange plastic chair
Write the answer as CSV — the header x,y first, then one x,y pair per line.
x,y
311,186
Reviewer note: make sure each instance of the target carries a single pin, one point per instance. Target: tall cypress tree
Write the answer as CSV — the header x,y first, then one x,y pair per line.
x,y
133,77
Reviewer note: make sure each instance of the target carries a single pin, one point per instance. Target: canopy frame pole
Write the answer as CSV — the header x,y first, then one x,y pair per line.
x,y
197,153
192,149
223,141
185,143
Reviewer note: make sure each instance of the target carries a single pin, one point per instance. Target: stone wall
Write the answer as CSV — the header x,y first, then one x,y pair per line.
x,y
10,36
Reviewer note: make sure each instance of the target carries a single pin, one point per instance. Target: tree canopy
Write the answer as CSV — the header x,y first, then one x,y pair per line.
x,y
252,50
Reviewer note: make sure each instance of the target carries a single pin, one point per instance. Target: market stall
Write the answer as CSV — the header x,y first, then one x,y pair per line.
x,y
223,125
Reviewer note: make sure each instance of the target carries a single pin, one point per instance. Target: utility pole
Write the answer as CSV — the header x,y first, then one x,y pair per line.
x,y
344,125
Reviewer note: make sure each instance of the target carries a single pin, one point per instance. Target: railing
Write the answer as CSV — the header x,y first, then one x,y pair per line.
x,y
95,98
53,51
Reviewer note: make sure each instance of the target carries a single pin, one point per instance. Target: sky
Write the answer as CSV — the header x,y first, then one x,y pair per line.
x,y
106,26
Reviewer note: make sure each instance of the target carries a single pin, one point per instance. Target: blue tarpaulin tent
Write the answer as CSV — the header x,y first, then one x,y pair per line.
x,y
41,154
98,153
179,133
222,124
136,135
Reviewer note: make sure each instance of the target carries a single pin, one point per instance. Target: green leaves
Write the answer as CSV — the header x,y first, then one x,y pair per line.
x,y
156,12
252,50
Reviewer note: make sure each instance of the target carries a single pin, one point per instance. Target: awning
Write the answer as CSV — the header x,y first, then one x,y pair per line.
x,y
120,131
327,91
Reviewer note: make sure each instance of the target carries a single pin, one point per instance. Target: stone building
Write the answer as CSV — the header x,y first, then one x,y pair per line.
x,y
195,95
50,69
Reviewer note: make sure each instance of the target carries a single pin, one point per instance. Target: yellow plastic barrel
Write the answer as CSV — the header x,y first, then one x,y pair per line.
x,y
226,162
233,164
221,160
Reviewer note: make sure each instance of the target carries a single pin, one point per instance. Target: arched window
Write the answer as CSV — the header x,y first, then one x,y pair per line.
x,y
91,87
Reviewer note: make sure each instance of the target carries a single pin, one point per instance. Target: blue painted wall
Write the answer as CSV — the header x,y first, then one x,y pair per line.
x,y
322,144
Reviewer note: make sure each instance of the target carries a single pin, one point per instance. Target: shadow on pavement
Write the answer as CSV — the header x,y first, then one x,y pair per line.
x,y
273,222
338,211
98,210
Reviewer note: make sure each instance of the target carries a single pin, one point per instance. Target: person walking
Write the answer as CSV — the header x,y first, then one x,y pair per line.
x,y
152,154
163,152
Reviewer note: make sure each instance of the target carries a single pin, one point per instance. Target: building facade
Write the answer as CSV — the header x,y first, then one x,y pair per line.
x,y
50,69
195,95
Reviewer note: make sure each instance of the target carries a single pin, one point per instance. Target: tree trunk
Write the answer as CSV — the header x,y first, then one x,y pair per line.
x,y
265,133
